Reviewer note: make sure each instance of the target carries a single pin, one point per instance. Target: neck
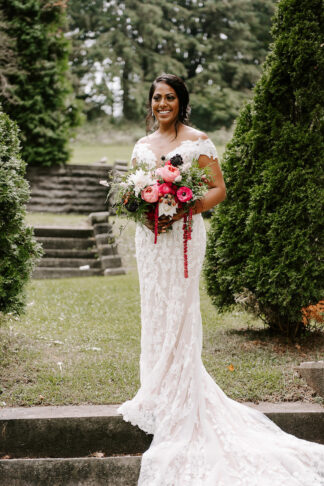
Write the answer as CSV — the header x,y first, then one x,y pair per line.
x,y
168,130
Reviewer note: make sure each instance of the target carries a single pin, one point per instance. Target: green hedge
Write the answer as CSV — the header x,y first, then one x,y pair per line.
x,y
18,248
264,246
42,101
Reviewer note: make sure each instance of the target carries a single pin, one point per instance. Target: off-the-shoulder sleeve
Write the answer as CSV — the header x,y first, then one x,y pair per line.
x,y
206,147
134,154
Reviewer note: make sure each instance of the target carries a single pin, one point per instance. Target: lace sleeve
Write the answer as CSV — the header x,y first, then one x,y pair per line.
x,y
134,157
206,147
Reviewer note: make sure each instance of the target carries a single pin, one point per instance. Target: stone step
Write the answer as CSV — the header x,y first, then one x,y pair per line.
x,y
111,272
102,228
104,239
77,431
108,250
71,253
313,374
69,262
68,431
65,272
80,201
73,169
68,193
62,243
68,189
63,231
90,471
121,162
101,217
121,168
111,261
67,208
64,180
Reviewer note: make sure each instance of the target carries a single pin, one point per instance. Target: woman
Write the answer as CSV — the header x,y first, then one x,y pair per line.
x,y
201,436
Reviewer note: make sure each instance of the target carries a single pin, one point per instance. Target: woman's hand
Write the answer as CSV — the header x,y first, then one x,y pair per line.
x,y
164,222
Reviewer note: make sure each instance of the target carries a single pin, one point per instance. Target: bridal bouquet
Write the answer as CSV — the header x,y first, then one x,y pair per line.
x,y
152,193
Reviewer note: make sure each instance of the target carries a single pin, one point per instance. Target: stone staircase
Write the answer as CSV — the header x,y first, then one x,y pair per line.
x,y
93,446
78,252
68,189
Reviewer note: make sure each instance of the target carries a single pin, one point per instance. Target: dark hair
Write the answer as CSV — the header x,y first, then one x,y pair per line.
x,y
183,96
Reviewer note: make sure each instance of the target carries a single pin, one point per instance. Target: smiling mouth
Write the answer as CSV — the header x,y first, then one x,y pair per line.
x,y
163,112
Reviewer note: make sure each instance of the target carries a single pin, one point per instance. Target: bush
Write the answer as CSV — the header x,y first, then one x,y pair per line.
x,y
18,249
41,101
264,244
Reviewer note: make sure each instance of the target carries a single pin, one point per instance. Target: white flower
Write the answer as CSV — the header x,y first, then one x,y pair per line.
x,y
140,180
104,183
178,179
185,167
167,209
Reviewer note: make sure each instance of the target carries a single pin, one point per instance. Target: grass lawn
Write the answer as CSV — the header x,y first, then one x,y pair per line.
x,y
89,154
79,342
56,219
100,139
93,153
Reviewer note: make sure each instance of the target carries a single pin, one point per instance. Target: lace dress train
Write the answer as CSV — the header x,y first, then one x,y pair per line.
x,y
201,436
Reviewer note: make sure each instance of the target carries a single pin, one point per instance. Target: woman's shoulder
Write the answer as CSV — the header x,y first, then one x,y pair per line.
x,y
201,144
190,133
146,139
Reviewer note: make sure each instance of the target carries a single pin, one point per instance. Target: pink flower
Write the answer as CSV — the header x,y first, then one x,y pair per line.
x,y
166,188
168,172
184,194
150,194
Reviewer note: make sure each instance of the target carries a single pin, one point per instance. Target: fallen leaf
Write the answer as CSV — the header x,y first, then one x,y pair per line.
x,y
97,454
231,367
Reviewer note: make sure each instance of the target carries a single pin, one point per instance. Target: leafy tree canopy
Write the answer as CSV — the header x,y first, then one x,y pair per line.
x,y
216,47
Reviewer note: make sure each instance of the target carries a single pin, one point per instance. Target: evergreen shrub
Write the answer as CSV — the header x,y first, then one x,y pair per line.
x,y
43,106
18,248
264,246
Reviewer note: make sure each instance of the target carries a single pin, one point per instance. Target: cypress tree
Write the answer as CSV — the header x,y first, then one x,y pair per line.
x,y
264,247
43,103
18,248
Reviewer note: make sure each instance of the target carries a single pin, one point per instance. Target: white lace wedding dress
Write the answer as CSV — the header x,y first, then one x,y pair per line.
x,y
201,436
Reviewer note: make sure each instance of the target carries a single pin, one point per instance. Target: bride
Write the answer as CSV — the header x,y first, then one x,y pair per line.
x,y
201,436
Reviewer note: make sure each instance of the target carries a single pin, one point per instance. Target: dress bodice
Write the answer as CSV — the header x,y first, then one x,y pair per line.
x,y
189,150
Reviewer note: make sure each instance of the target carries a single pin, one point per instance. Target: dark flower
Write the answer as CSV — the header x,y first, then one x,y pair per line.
x,y
131,206
176,160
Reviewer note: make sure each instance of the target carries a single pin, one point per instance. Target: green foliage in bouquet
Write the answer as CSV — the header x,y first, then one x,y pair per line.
x,y
18,248
264,247
40,98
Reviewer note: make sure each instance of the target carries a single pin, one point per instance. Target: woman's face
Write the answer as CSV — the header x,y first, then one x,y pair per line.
x,y
165,104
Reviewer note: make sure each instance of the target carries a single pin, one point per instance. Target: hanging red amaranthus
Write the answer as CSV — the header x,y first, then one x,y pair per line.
x,y
187,224
187,227
156,220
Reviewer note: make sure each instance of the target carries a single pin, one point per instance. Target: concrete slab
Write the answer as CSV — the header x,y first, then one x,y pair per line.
x,y
77,431
9,413
111,471
313,374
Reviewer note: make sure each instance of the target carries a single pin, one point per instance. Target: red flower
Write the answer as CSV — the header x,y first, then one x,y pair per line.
x,y
184,194
166,188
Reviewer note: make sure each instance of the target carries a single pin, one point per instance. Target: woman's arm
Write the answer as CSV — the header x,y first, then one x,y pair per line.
x,y
217,191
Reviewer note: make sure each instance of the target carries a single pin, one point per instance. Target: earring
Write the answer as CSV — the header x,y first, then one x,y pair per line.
x,y
152,113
